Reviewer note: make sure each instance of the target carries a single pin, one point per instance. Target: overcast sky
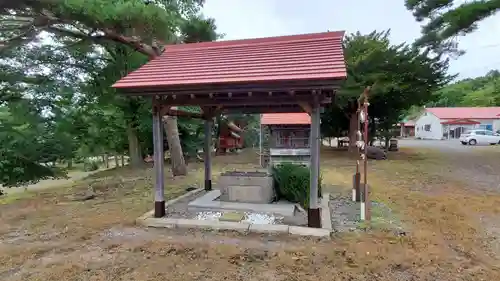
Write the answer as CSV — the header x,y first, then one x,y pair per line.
x,y
240,19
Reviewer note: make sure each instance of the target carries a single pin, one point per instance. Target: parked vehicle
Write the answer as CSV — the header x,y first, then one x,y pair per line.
x,y
474,137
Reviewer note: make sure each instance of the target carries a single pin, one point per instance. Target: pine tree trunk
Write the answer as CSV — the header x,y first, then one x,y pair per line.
x,y
135,155
353,128
106,160
174,145
117,161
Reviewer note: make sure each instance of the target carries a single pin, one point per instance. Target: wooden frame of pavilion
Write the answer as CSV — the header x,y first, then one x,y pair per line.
x,y
297,73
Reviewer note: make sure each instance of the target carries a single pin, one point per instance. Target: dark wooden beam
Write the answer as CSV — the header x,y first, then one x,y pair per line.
x,y
263,109
242,101
305,106
314,210
246,102
207,152
209,112
158,155
279,86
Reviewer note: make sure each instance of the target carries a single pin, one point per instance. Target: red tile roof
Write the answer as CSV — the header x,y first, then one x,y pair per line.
x,y
296,57
464,121
285,119
465,112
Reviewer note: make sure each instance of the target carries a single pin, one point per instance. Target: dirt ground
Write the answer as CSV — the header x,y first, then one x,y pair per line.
x,y
450,220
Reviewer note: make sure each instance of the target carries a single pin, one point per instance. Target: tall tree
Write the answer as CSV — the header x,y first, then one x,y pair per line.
x,y
28,147
400,76
447,19
29,138
143,26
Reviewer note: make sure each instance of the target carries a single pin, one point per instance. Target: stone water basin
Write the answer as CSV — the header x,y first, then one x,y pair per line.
x,y
246,187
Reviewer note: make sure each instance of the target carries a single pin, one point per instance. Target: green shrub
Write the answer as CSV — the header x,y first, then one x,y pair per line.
x,y
89,166
292,181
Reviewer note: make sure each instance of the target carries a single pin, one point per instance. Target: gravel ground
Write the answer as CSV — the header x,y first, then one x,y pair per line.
x,y
481,172
179,210
345,215
479,166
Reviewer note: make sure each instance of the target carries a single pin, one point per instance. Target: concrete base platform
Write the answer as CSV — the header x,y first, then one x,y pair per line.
x,y
208,202
325,232
236,226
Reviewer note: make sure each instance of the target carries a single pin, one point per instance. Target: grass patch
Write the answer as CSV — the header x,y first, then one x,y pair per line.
x,y
8,199
382,218
25,194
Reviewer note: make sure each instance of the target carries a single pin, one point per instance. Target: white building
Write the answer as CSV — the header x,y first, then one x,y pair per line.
x,y
450,122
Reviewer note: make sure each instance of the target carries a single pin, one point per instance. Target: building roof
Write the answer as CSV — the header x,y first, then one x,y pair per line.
x,y
410,123
317,56
285,119
465,112
407,123
463,121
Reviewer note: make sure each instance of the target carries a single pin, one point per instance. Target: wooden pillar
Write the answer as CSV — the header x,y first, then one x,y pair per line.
x,y
314,212
159,161
366,205
261,143
356,183
208,154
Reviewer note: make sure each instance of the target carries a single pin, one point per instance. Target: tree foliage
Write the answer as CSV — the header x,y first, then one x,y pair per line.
x,y
400,75
142,25
29,145
446,19
63,56
480,91
31,138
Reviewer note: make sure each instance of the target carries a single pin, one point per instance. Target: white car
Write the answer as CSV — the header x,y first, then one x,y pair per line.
x,y
474,137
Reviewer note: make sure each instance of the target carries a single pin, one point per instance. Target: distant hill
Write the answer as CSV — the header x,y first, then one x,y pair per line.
x,y
479,91
483,91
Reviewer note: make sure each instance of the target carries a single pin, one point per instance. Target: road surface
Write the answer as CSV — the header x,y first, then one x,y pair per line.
x,y
442,145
